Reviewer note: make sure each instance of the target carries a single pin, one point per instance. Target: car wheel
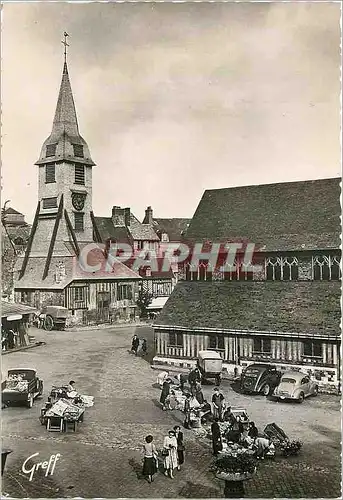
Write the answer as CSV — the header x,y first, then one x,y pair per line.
x,y
266,390
48,323
315,391
301,397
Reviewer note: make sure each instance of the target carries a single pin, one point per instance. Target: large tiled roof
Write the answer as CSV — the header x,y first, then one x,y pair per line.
x,y
173,227
307,308
9,308
286,216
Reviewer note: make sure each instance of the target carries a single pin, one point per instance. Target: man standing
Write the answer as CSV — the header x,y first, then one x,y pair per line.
x,y
135,344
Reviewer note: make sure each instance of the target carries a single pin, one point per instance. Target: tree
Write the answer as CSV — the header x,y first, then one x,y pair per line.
x,y
143,301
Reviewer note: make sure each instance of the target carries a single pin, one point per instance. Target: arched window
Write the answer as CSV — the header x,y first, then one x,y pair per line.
x,y
202,271
282,268
273,268
231,273
326,267
246,274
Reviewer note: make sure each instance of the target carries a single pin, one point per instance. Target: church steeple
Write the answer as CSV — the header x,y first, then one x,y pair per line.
x,y
65,142
65,115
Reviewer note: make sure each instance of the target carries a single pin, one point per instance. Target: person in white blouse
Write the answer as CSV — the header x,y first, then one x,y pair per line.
x,y
170,459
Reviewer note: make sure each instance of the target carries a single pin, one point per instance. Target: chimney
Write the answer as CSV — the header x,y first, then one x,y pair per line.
x,y
117,211
148,219
118,216
127,215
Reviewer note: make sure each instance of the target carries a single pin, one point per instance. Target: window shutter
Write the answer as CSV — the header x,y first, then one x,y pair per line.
x,y
49,203
80,174
78,221
50,175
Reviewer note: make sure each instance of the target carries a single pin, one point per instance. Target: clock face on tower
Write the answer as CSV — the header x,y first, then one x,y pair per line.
x,y
78,201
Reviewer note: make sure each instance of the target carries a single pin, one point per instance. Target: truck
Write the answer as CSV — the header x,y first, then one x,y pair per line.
x,y
210,365
22,386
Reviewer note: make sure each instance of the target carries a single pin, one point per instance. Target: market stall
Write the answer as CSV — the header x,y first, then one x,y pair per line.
x,y
64,410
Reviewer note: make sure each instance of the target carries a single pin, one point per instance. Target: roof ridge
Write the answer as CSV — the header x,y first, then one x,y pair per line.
x,y
307,181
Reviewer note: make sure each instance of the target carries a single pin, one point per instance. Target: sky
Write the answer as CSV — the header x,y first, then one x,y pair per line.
x,y
173,98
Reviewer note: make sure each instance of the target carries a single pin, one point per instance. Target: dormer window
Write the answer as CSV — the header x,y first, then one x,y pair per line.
x,y
80,174
51,150
78,150
50,173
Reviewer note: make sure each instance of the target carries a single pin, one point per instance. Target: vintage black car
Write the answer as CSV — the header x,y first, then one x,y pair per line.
x,y
259,378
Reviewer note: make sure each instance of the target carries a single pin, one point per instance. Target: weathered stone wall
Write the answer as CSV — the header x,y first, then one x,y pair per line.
x,y
305,268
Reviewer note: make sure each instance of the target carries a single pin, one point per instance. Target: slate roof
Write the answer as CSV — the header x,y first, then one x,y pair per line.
x,y
19,232
9,308
141,231
107,230
173,227
276,217
12,211
73,272
136,231
306,308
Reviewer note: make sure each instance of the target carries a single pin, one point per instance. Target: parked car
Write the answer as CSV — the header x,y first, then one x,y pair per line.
x,y
259,378
296,385
21,386
210,365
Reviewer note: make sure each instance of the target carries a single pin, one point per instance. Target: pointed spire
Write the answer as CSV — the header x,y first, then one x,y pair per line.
x,y
65,116
65,141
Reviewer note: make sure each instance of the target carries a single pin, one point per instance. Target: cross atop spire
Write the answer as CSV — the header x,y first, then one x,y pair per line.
x,y
65,45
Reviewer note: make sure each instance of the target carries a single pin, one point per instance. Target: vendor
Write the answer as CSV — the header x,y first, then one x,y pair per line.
x,y
70,386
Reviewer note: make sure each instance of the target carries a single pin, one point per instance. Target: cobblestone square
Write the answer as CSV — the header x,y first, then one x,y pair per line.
x,y
102,459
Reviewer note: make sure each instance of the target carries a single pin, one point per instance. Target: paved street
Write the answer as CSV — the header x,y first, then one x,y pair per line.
x,y
103,458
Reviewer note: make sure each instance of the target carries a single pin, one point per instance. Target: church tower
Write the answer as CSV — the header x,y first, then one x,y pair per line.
x,y
63,220
65,167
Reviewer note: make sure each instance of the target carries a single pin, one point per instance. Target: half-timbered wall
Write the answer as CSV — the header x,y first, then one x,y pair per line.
x,y
158,287
183,344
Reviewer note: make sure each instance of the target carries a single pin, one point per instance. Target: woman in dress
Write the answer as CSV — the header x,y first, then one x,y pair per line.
x,y
150,458
170,460
180,446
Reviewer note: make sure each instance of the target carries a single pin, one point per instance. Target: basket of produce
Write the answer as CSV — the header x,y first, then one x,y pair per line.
x,y
239,466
